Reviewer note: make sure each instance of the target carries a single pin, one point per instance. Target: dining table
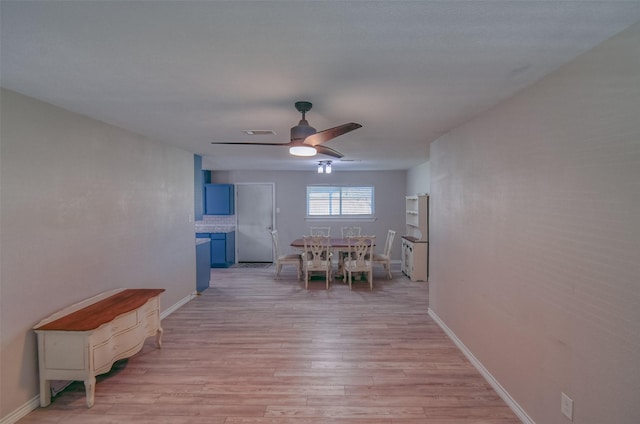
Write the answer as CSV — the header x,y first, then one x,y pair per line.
x,y
338,245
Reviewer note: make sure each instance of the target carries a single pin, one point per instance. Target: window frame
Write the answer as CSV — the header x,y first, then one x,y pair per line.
x,y
340,216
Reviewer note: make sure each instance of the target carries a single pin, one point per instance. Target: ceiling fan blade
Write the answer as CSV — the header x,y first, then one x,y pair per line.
x,y
324,150
326,135
250,143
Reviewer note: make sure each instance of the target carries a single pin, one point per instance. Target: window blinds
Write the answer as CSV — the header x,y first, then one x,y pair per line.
x,y
339,201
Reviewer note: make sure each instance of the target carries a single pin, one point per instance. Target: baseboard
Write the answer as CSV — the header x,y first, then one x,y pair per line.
x,y
21,412
511,403
177,305
34,403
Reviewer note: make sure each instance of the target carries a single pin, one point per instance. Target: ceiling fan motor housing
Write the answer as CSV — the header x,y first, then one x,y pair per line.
x,y
302,131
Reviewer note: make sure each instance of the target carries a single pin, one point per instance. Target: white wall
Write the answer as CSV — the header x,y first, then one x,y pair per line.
x,y
419,179
85,207
291,186
535,238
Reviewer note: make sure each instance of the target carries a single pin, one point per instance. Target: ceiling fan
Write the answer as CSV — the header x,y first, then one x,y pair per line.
x,y
305,140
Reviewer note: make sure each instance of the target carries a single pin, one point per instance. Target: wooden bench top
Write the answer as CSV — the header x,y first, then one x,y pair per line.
x,y
103,311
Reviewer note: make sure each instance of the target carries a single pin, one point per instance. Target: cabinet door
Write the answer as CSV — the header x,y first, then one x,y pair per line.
x,y
407,258
218,250
403,257
231,248
203,266
219,199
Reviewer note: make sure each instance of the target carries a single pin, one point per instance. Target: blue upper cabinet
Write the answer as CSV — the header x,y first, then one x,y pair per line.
x,y
219,199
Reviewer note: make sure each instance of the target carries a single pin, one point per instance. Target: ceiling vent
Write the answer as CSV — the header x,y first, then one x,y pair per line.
x,y
259,132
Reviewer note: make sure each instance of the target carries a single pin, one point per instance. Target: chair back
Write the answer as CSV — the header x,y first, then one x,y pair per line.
x,y
360,248
350,231
274,238
320,231
317,248
389,243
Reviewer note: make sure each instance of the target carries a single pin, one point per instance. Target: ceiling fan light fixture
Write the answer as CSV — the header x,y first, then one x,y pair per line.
x,y
302,150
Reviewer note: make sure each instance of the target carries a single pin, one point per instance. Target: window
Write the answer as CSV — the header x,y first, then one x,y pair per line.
x,y
339,201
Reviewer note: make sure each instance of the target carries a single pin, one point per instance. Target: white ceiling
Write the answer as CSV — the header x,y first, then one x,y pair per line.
x,y
190,72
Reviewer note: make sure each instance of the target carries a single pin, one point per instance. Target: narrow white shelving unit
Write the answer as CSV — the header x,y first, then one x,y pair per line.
x,y
415,243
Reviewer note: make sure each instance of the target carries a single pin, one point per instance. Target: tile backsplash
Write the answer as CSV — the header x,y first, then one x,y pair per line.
x,y
221,220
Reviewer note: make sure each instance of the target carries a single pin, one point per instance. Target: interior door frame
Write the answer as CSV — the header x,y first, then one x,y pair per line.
x,y
273,212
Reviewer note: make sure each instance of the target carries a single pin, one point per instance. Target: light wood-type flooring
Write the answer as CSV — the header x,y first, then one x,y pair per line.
x,y
254,350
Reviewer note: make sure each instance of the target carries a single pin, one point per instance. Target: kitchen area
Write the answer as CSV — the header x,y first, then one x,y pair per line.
x,y
214,225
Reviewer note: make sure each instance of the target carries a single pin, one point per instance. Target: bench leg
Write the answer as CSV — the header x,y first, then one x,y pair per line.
x,y
90,389
45,392
159,337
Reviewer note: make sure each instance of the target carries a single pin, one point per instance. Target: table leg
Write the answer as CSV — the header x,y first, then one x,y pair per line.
x,y
341,256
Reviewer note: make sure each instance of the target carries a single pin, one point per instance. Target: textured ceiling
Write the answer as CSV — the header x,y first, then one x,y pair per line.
x,y
191,72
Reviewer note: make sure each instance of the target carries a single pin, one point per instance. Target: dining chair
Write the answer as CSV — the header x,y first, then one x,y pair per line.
x,y
294,259
359,259
350,231
384,258
317,257
346,232
320,231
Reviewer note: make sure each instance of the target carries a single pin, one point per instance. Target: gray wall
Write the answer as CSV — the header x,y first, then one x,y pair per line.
x,y
85,208
535,238
291,186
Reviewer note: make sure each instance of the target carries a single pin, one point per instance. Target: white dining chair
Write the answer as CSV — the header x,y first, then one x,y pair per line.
x,y
359,259
320,231
294,259
347,232
350,231
317,257
384,258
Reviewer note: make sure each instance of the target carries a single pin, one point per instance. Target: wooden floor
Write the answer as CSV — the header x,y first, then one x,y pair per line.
x,y
252,350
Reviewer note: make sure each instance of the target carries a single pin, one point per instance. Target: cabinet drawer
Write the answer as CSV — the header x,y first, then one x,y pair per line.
x,y
118,325
116,348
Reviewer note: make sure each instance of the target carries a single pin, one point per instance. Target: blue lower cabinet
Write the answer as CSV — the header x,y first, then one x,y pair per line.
x,y
223,249
231,248
203,266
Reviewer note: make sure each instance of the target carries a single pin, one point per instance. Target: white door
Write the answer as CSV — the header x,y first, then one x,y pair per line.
x,y
254,212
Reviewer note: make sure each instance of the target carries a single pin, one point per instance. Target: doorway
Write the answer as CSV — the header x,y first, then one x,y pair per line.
x,y
255,216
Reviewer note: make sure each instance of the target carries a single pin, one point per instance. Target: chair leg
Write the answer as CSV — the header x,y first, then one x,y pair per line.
x,y
278,268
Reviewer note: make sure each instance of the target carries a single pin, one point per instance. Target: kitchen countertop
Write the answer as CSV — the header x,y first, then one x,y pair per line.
x,y
200,241
212,228
414,239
